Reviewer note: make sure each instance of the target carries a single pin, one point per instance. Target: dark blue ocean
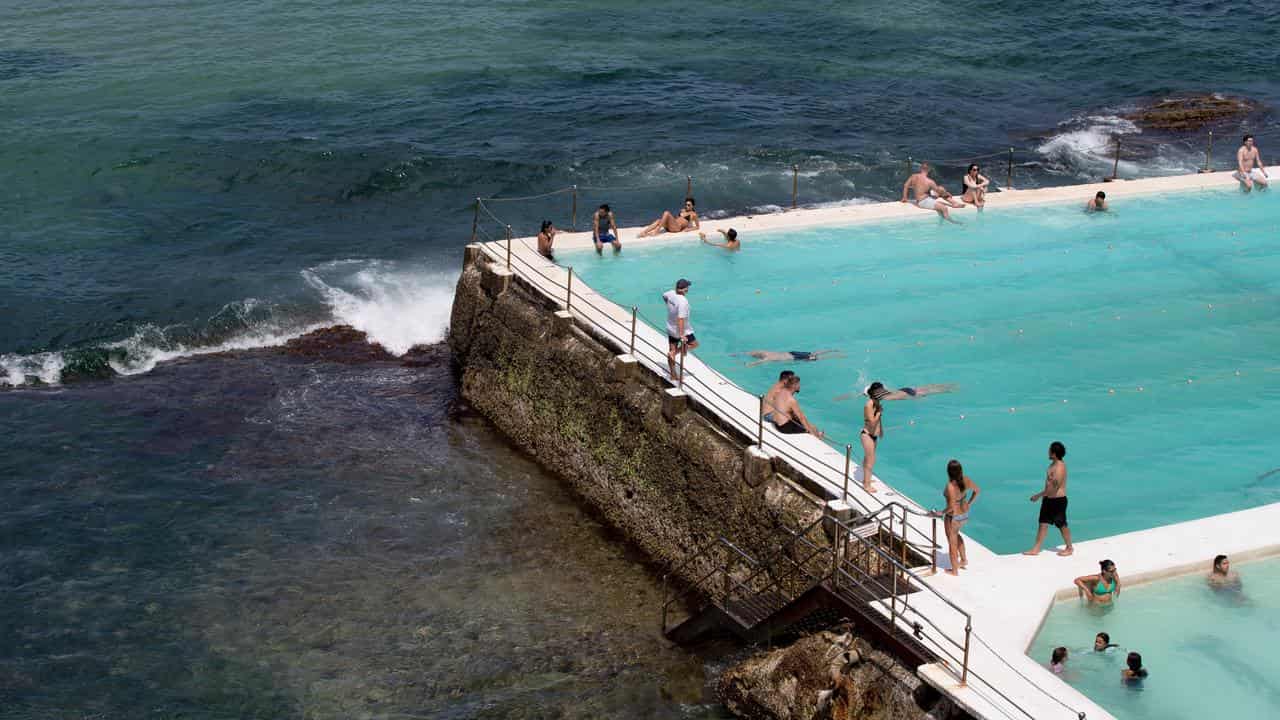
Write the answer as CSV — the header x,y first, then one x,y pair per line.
x,y
199,521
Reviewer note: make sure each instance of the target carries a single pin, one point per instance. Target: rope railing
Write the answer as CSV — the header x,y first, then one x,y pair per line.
x,y
1112,149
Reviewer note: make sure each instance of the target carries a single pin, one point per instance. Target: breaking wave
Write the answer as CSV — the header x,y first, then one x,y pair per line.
x,y
396,306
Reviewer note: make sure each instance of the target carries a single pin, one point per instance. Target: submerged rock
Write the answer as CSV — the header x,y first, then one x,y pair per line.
x,y
345,344
830,676
1191,112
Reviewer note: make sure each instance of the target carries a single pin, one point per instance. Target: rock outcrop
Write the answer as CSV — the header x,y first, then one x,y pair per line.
x,y
1191,112
830,676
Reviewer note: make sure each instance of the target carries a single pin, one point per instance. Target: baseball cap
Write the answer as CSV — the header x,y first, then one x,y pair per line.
x,y
682,284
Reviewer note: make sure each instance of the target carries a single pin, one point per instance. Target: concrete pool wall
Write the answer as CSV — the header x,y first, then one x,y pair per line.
x,y
1007,596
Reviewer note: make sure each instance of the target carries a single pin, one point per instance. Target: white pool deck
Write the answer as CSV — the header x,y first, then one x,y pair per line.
x,y
1007,596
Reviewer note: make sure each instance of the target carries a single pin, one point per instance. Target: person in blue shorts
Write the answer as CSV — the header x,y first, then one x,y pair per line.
x,y
604,230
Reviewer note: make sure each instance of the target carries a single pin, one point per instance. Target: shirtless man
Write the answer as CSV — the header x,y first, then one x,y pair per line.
x,y
1249,168
921,186
782,409
1053,501
730,239
767,356
1098,203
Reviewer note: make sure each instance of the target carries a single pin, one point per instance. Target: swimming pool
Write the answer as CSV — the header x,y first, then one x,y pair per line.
x,y
1143,339
1210,653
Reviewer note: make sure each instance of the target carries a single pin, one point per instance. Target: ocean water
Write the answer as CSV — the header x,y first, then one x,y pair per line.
x,y
185,186
1191,638
1140,338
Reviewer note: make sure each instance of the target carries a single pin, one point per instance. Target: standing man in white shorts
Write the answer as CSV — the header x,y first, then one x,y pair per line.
x,y
1249,168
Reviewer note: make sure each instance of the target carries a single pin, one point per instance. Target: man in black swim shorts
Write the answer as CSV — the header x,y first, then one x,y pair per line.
x,y
1053,501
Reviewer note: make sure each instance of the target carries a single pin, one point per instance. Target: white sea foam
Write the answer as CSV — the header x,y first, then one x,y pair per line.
x,y
397,307
45,367
1086,145
150,345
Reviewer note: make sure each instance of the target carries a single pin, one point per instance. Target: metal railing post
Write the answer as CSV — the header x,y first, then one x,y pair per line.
x,y
475,222
795,185
568,295
760,425
933,551
631,349
903,539
1008,178
848,456
573,214
964,666
835,553
909,165
1115,168
728,566
683,351
508,247
1208,154
893,598
688,185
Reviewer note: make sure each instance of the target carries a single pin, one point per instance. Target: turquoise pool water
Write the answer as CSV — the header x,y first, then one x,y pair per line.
x,y
1210,654
1037,314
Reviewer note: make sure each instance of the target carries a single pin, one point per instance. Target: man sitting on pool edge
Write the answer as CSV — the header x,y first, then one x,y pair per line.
x,y
782,409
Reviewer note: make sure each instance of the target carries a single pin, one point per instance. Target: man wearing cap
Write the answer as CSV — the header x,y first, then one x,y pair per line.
x,y
679,331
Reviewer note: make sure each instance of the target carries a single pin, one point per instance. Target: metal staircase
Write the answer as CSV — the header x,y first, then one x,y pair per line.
x,y
831,570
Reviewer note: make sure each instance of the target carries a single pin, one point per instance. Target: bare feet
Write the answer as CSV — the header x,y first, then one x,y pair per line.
x,y
869,488
953,572
1032,551
1066,552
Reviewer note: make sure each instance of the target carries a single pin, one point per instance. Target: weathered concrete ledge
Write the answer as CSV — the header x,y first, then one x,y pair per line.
x,y
635,449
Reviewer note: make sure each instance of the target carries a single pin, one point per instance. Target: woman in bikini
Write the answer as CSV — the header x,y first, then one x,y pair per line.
x,y
1103,588
959,500
686,220
872,431
975,187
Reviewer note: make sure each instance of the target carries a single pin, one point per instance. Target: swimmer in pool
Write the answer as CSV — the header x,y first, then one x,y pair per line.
x,y
1134,674
768,356
1102,642
1221,577
1100,589
904,393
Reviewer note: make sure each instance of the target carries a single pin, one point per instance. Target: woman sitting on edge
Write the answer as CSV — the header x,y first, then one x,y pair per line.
x,y
686,220
959,500
1100,589
546,236
1135,673
975,187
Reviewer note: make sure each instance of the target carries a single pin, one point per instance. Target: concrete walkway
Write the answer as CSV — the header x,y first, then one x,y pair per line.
x,y
1006,596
